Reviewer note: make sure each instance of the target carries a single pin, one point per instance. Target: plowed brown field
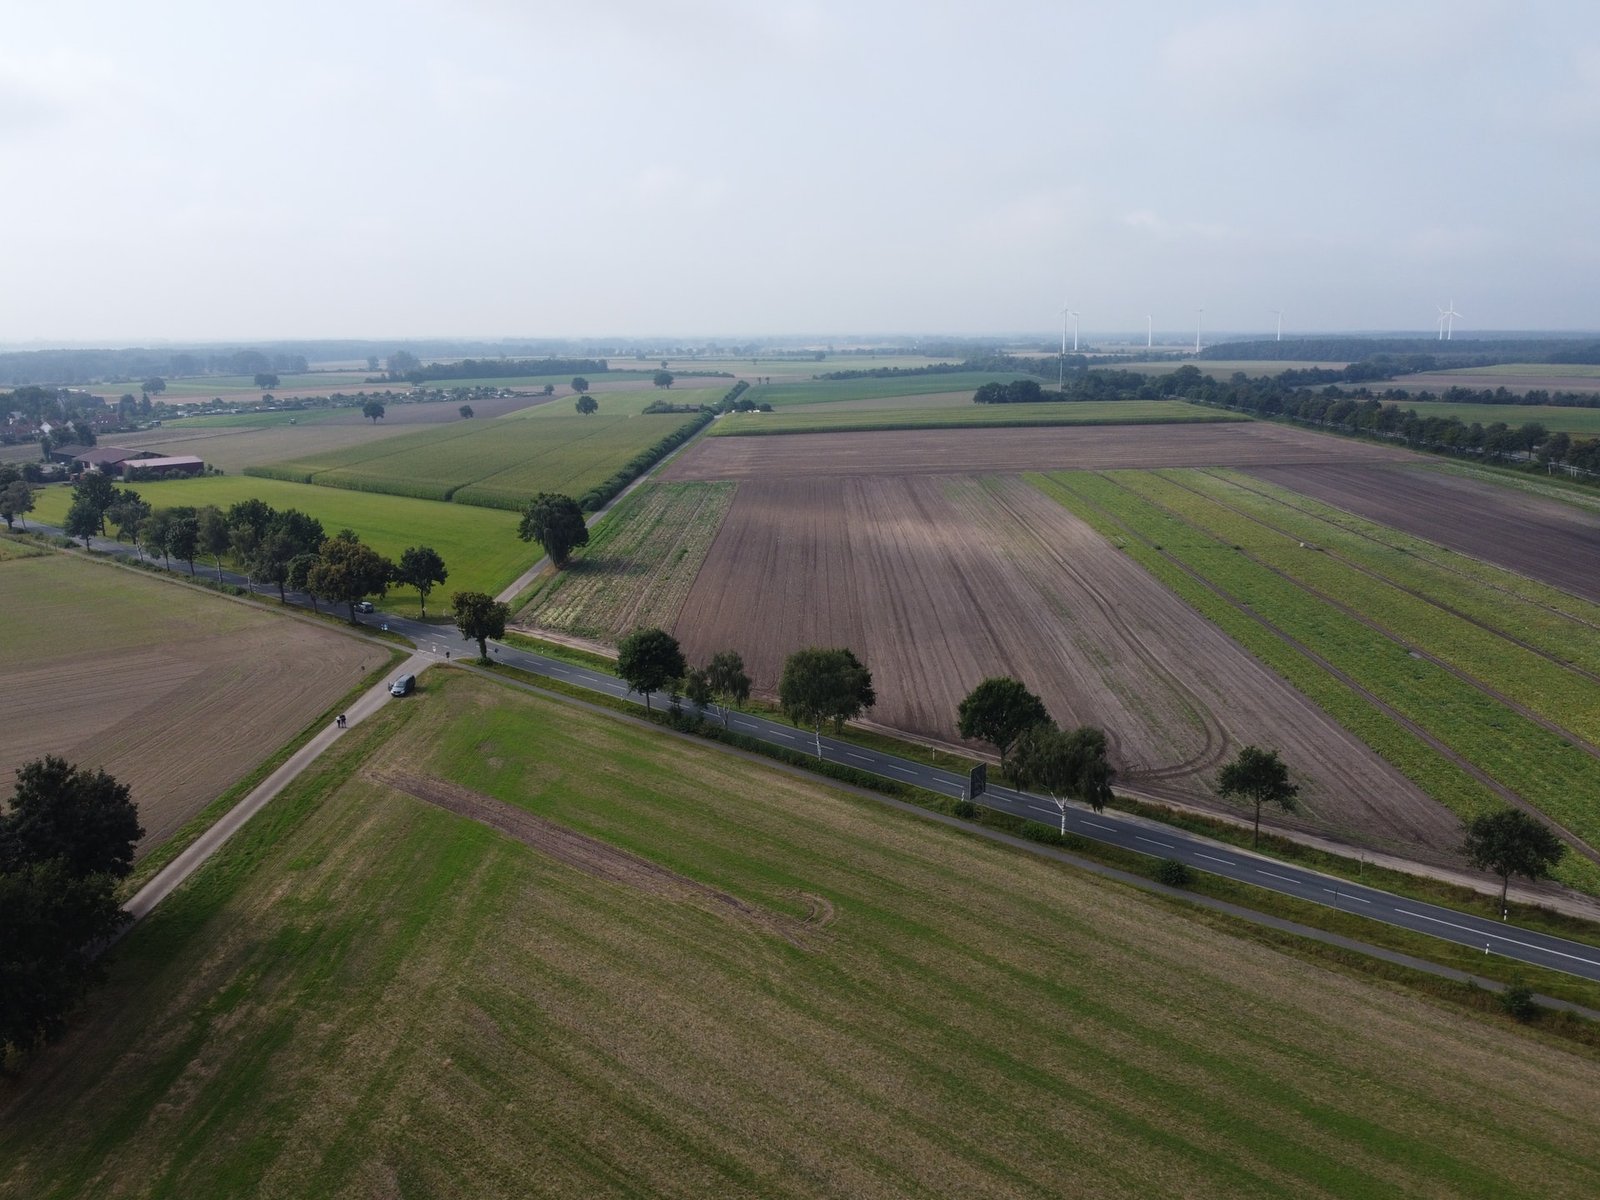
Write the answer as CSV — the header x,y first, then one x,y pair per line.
x,y
1555,543
939,581
981,451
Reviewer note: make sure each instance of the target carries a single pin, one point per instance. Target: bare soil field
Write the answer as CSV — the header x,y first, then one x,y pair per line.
x,y
980,451
1545,539
940,581
175,692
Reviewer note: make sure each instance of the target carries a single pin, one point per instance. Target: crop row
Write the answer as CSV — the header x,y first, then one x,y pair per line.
x,y
640,565
1518,753
1521,607
1559,695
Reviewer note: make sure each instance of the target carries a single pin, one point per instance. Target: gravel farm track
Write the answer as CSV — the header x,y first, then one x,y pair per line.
x,y
940,579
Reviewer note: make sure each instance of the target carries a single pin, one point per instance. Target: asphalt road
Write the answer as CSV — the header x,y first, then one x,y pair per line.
x,y
1117,829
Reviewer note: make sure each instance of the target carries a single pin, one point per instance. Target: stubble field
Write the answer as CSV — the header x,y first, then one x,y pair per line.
x,y
495,946
176,692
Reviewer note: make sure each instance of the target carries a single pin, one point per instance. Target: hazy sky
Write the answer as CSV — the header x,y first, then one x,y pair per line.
x,y
637,167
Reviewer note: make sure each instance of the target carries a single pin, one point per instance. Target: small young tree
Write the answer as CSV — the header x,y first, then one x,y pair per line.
x,y
824,684
421,567
1261,778
697,688
998,711
1510,842
556,523
648,660
587,404
479,617
1067,765
129,515
729,683
466,411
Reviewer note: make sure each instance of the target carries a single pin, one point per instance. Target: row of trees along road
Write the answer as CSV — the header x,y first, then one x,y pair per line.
x,y
66,839
285,548
16,497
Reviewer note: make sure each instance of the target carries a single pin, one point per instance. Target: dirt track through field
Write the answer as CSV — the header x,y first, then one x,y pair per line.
x,y
603,860
1555,543
939,581
983,451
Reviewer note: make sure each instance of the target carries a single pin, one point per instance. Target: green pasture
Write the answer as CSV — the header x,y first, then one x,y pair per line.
x,y
1584,422
747,984
1554,371
479,546
829,391
500,463
842,417
261,420
1298,593
207,386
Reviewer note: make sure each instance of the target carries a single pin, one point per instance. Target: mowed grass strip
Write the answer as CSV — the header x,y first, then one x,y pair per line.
x,y
500,463
1519,754
843,418
639,565
479,546
367,994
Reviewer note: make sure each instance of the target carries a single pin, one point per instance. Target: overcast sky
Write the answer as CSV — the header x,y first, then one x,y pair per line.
x,y
683,167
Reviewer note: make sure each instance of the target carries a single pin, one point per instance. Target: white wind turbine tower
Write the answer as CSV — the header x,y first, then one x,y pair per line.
x,y
1441,324
1061,382
1449,314
1074,314
1199,317
1278,312
1149,333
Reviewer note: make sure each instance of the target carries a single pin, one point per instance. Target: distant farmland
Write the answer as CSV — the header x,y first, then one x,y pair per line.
x,y
957,411
495,945
497,464
1583,422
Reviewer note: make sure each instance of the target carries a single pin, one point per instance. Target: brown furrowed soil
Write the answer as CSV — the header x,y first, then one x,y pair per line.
x,y
175,692
940,581
1545,539
984,451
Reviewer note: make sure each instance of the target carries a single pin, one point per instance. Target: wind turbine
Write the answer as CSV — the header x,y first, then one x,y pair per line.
x,y
1074,314
1061,382
1149,333
1449,314
1199,317
1441,324
1279,313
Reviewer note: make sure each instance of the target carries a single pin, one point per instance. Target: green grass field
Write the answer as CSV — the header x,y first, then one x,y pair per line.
x,y
1555,371
843,418
1204,522
717,979
501,463
266,420
479,545
832,391
638,566
1584,422
1224,368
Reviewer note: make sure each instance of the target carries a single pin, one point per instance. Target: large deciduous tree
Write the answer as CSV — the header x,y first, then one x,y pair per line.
x,y
1510,842
1261,778
83,520
96,490
65,840
421,568
479,617
373,410
347,571
16,502
662,379
648,660
556,523
1068,764
216,539
587,405
579,384
825,684
129,515
998,711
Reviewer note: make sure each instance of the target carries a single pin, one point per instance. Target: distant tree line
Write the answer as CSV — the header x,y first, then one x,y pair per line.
x,y
64,367
1462,352
404,367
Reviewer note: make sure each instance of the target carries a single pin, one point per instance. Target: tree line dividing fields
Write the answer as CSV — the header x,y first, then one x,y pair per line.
x,y
1353,628
638,566
495,464
454,955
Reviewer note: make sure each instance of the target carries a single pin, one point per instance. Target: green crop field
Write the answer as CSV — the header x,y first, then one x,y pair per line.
x,y
639,565
679,972
1223,368
844,418
828,391
1506,710
479,545
1584,422
1552,487
501,463
263,420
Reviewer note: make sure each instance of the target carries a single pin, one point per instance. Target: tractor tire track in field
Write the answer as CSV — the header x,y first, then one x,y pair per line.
x,y
1412,727
1214,746
1438,563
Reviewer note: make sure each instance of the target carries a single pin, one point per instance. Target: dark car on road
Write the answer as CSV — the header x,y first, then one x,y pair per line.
x,y
403,685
